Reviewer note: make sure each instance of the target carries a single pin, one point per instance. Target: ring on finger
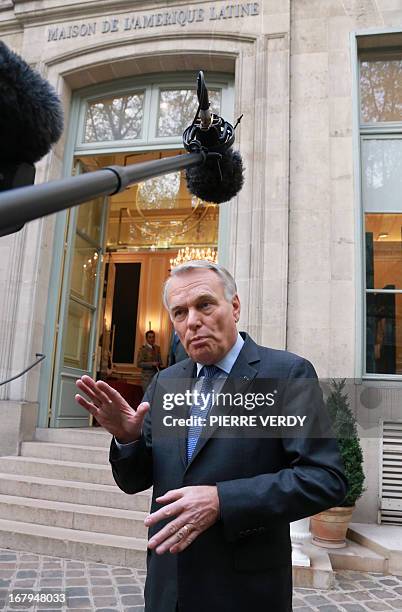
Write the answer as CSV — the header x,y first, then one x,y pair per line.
x,y
180,535
183,532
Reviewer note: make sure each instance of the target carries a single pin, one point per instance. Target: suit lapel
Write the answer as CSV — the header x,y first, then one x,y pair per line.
x,y
243,372
177,384
187,374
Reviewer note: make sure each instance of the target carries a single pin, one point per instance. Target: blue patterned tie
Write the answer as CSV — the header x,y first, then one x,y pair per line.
x,y
200,409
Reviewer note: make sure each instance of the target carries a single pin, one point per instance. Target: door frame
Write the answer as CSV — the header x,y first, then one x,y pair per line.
x,y
59,370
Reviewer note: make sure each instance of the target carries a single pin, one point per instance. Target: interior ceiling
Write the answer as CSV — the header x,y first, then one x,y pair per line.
x,y
155,212
126,198
377,42
390,224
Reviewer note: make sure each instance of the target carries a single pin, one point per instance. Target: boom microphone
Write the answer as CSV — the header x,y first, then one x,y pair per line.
x,y
220,177
203,102
214,170
31,119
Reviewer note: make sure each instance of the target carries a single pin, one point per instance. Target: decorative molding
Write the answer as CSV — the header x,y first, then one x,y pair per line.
x,y
258,198
11,27
112,44
30,15
249,213
6,4
9,24
9,309
270,194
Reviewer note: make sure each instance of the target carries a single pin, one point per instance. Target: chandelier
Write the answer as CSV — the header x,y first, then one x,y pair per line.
x,y
187,254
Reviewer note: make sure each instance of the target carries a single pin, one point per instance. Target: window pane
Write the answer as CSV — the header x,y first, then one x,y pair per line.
x,y
177,108
384,251
115,118
84,266
381,90
382,175
77,336
159,192
89,219
162,212
384,333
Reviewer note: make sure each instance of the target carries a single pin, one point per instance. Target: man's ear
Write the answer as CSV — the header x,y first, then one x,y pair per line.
x,y
236,307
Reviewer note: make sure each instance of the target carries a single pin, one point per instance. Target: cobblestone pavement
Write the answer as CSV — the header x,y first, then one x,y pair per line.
x,y
96,586
86,585
352,592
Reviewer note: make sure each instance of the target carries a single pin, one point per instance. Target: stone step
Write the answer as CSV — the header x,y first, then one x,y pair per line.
x,y
357,558
66,452
73,544
87,436
61,470
319,575
385,540
73,516
106,496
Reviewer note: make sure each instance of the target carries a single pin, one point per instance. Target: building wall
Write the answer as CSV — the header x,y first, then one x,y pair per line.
x,y
323,233
293,230
254,47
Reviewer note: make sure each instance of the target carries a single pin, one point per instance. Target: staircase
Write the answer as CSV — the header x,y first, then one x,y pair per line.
x,y
59,498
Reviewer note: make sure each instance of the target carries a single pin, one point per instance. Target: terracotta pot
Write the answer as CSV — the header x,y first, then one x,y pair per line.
x,y
329,527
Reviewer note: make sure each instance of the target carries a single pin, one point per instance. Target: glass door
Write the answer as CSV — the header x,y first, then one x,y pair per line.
x,y
79,310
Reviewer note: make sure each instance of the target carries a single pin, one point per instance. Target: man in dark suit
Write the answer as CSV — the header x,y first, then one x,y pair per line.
x,y
176,350
221,504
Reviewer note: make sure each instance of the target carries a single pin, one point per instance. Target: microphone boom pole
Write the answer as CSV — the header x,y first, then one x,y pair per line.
x,y
214,171
18,206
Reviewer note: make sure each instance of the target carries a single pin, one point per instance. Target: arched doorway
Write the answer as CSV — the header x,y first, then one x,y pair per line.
x,y
138,233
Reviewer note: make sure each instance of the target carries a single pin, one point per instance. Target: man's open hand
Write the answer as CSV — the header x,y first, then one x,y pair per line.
x,y
195,508
111,409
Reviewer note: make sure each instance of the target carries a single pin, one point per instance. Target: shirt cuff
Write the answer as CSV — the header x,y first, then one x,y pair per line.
x,y
120,445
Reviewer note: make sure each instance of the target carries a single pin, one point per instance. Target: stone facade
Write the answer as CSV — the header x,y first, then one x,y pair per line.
x,y
293,234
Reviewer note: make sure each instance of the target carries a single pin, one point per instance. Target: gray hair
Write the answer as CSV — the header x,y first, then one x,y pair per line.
x,y
227,280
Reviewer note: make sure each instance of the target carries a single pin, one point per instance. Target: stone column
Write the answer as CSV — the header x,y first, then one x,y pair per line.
x,y
259,216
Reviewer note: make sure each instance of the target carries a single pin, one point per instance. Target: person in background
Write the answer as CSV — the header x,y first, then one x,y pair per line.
x,y
149,359
176,352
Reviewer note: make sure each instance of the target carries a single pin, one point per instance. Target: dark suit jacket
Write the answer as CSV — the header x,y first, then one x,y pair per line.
x,y
242,562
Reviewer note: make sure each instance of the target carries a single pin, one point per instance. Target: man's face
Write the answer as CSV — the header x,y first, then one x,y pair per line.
x,y
202,317
150,339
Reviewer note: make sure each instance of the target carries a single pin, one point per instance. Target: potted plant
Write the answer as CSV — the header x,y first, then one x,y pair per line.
x,y
329,527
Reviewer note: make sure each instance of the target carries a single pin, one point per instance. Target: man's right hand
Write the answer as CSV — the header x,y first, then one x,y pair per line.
x,y
111,409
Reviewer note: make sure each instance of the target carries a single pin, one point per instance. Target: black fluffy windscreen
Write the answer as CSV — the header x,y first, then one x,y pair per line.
x,y
31,114
206,182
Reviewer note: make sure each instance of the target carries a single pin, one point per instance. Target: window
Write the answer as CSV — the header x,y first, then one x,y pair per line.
x,y
381,90
116,118
149,115
177,107
381,172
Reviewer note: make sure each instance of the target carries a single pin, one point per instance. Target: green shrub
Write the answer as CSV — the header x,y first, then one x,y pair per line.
x,y
344,425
